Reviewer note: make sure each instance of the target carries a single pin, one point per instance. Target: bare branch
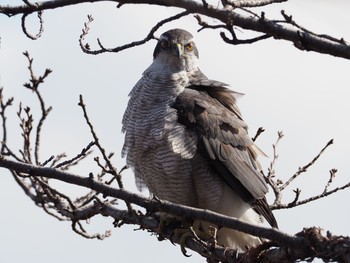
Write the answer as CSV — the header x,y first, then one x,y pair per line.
x,y
86,47
48,160
289,20
302,246
251,3
205,25
258,133
3,106
305,167
229,27
235,41
332,174
272,173
41,29
82,154
34,86
306,39
308,200
111,168
271,169
35,179
78,228
26,124
152,205
278,186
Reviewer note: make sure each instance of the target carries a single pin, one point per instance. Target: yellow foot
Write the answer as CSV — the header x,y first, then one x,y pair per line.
x,y
196,233
167,221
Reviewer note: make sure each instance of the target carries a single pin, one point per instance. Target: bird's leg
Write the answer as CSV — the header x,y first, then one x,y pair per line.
x,y
195,231
212,231
167,222
181,230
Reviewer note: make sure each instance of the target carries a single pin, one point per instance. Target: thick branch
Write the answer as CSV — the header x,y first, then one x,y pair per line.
x,y
152,205
251,3
307,244
302,39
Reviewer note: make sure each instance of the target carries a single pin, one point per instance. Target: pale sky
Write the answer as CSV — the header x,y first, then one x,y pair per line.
x,y
304,94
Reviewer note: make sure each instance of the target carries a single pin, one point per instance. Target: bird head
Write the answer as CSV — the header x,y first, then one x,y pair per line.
x,y
176,49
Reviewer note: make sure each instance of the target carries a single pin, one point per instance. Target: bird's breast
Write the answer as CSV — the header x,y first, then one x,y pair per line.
x,y
156,145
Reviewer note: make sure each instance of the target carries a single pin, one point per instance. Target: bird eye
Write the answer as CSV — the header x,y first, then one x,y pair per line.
x,y
164,44
189,46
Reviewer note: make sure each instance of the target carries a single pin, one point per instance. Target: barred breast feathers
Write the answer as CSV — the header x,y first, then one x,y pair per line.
x,y
149,119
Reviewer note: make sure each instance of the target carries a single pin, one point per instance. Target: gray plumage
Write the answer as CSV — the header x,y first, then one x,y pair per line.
x,y
187,142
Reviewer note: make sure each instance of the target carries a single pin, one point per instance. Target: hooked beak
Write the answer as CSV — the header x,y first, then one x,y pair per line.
x,y
178,50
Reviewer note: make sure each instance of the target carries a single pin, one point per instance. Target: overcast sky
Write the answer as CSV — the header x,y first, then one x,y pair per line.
x,y
304,94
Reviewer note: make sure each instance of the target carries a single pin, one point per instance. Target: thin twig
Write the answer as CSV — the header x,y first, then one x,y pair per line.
x,y
82,154
205,25
48,160
78,228
34,86
311,199
272,173
4,105
41,29
271,169
304,168
111,168
258,133
97,141
235,41
332,174
289,20
26,124
8,152
87,49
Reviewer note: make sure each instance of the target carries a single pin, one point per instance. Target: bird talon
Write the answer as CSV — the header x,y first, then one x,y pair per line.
x,y
184,251
185,234
164,221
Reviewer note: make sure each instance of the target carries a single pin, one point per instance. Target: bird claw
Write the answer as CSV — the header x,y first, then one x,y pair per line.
x,y
184,234
182,231
195,233
166,220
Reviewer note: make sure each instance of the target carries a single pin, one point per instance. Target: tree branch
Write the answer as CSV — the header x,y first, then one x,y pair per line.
x,y
305,167
303,39
299,242
251,3
34,86
41,29
86,47
3,107
152,205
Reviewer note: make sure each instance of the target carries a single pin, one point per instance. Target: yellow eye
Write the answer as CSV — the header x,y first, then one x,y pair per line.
x,y
189,46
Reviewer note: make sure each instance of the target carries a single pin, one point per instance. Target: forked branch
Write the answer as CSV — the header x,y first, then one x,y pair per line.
x,y
227,14
279,186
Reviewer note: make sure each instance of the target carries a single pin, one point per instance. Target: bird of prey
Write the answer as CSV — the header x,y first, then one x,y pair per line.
x,y
187,142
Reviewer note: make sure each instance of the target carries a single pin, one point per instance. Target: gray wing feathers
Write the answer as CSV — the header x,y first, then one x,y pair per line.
x,y
239,165
223,137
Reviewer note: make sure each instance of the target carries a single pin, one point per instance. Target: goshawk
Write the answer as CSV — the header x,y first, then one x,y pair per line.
x,y
187,142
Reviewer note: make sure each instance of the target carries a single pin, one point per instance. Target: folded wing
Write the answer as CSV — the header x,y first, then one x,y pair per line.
x,y
209,109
